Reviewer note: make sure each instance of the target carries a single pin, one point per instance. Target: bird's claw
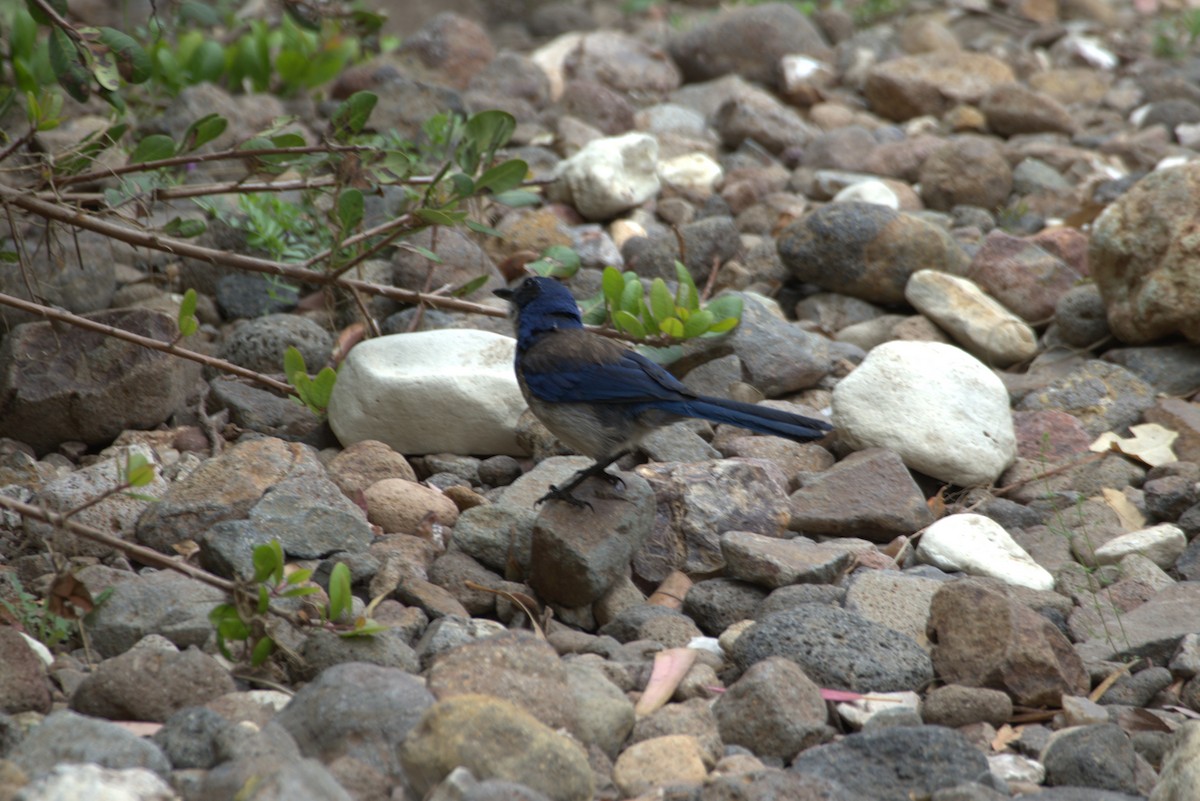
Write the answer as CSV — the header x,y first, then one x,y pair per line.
x,y
557,493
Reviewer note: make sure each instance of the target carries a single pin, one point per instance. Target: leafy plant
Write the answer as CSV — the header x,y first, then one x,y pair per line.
x,y
34,618
679,315
243,620
311,392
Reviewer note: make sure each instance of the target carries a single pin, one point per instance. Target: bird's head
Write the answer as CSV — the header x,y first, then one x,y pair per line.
x,y
541,304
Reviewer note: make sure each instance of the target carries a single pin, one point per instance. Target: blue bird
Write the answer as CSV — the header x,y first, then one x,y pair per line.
x,y
600,398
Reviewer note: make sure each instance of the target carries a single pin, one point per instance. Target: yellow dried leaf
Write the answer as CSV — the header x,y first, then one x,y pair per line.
x,y
1150,444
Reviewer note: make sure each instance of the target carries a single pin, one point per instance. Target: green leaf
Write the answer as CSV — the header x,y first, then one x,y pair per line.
x,y
503,177
364,628
293,364
558,261
264,599
9,256
491,129
517,198
202,131
298,592
469,287
721,326
462,185
268,561
299,576
321,390
424,252
138,470
593,310
662,305
40,16
339,591
153,148
612,284
67,63
23,36
350,209
289,139
351,116
631,297
672,327
231,627
725,307
132,61
184,228
203,14
698,323
207,62
440,217
262,651
480,228
624,321
686,295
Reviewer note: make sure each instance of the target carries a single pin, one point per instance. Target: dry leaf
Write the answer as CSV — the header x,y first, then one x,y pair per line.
x,y
186,548
1133,719
69,598
1131,519
670,666
1006,735
1150,444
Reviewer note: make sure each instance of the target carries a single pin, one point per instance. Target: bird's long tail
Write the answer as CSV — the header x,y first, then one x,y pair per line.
x,y
762,419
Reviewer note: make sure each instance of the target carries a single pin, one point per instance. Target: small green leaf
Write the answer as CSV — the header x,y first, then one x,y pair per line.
x,y
289,139
299,576
350,209
486,230
138,470
293,364
202,131
339,591
491,129
470,286
698,323
517,198
264,599
262,651
612,284
721,326
187,306
725,307
503,177
9,256
672,327
23,36
207,62
662,305
440,217
297,592
631,297
184,228
132,61
67,63
321,390
352,114
593,310
153,148
203,15
364,628
40,16
624,321
268,561
462,185
686,294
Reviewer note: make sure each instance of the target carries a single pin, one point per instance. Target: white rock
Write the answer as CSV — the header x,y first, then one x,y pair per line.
x,y
980,546
1179,779
609,176
934,404
1016,768
551,58
1161,544
451,390
695,172
976,321
869,191
856,713
71,782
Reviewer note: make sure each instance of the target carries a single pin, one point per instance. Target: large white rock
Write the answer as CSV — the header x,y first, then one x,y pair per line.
x,y
609,176
980,546
451,390
1161,544
934,404
976,320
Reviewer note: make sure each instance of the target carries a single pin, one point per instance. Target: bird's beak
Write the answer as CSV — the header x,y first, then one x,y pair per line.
x,y
503,292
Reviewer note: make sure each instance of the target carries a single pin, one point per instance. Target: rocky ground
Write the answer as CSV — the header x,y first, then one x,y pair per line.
x,y
964,233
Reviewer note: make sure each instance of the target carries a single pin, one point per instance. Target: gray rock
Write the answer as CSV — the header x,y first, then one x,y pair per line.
x,y
896,763
778,357
715,604
603,714
448,632
837,649
260,344
81,385
118,690
955,705
323,649
1081,316
1099,756
693,717
358,711
1101,395
773,562
574,564
259,410
274,780
24,685
774,709
65,736
799,595
67,782
248,295
162,602
1171,369
188,737
899,601
774,784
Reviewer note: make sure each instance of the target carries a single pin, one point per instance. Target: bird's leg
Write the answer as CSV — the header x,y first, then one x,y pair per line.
x,y
600,468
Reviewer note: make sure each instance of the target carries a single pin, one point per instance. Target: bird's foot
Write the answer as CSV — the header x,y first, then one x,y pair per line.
x,y
563,494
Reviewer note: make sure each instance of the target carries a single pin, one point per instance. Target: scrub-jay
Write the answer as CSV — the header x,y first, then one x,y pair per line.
x,y
601,398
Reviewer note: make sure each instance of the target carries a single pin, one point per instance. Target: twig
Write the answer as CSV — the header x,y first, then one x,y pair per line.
x,y
146,342
146,556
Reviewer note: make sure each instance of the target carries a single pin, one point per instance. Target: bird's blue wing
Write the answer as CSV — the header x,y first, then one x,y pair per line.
x,y
587,368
